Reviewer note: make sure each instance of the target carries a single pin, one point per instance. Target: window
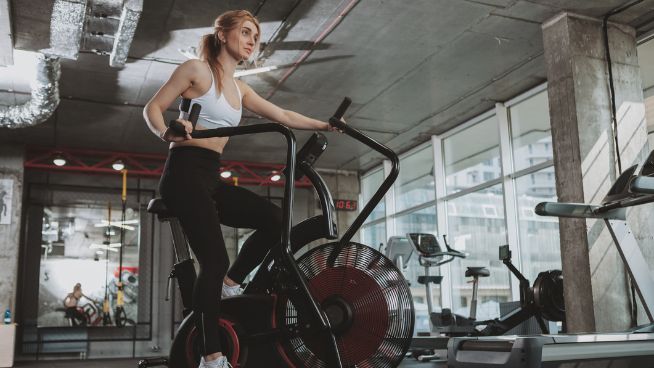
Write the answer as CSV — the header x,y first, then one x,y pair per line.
x,y
531,131
369,185
479,229
470,154
422,221
374,235
539,236
81,244
415,184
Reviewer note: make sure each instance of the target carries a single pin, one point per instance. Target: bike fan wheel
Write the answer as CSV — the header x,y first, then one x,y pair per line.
x,y
367,301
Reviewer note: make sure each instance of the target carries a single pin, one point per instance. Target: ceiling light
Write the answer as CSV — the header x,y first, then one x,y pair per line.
x,y
59,160
275,177
118,165
226,174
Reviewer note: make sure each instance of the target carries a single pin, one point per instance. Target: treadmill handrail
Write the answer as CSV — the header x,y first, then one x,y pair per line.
x,y
642,185
579,210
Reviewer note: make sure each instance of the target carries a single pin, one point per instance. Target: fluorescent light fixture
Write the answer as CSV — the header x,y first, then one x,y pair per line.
x,y
226,174
123,224
263,69
59,160
118,165
110,247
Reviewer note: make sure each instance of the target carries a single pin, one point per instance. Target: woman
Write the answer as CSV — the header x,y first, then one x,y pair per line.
x,y
72,300
190,185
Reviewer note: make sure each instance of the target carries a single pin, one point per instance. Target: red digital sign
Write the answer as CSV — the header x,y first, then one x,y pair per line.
x,y
345,204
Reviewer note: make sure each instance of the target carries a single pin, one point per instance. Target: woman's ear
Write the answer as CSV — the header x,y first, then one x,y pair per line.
x,y
221,37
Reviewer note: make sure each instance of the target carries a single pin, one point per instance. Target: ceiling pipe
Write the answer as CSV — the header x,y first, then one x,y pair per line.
x,y
44,100
66,28
129,19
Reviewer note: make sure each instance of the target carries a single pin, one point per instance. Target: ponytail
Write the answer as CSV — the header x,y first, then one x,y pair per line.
x,y
209,50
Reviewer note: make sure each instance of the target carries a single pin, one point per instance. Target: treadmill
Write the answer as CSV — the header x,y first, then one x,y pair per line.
x,y
631,349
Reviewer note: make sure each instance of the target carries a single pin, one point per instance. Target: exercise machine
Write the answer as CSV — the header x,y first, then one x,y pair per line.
x,y
634,348
340,304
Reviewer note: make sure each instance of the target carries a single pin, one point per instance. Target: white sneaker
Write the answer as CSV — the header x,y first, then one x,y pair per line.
x,y
231,290
218,363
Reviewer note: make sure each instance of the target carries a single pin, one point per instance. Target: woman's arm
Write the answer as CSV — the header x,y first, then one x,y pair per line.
x,y
181,80
260,106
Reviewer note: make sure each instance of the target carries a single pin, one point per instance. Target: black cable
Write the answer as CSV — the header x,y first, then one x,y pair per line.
x,y
614,125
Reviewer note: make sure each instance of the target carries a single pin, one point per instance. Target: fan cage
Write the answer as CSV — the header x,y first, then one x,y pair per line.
x,y
378,294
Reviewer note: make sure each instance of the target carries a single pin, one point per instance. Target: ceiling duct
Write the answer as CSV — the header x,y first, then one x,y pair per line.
x,y
105,27
109,28
44,100
129,19
66,27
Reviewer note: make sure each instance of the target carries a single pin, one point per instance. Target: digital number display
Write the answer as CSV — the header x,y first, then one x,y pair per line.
x,y
345,204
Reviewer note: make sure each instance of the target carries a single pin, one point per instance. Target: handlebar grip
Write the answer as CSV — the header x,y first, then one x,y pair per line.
x,y
195,113
186,103
341,109
335,120
193,117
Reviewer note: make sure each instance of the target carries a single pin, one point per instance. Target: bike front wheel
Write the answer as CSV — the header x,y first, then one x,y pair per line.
x,y
367,301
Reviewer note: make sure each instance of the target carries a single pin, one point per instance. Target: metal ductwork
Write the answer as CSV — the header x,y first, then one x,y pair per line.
x,y
66,27
105,27
44,100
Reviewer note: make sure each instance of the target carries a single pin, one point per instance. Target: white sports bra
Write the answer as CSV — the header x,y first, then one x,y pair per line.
x,y
216,111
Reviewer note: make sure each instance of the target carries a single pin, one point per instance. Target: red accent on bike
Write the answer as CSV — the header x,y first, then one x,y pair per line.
x,y
227,326
369,307
278,345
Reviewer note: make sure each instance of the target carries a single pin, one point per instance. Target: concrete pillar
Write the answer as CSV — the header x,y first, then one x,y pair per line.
x,y
11,193
584,156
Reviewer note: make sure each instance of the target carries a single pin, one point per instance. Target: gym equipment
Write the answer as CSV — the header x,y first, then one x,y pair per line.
x,y
341,304
430,254
543,301
634,348
120,316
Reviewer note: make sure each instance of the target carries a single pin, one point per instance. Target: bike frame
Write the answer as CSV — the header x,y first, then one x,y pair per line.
x,y
280,266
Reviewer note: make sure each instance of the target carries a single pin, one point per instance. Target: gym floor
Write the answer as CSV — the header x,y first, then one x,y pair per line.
x,y
131,363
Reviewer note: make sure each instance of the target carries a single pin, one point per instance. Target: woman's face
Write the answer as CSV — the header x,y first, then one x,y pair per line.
x,y
242,40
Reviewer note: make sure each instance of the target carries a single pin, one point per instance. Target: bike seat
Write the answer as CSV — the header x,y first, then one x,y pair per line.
x,y
477,271
158,207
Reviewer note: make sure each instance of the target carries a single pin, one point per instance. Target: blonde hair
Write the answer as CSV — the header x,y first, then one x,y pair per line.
x,y
210,43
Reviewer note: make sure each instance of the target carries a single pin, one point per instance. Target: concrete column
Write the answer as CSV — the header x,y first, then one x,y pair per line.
x,y
584,156
11,193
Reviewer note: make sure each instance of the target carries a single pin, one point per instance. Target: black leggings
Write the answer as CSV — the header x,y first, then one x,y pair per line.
x,y
191,188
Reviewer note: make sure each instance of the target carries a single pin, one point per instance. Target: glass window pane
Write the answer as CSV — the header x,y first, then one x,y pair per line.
x,y
369,185
539,236
476,225
531,131
374,235
422,221
415,184
80,253
472,156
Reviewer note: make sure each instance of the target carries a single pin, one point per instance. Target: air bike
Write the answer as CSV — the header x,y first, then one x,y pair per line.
x,y
340,304
631,349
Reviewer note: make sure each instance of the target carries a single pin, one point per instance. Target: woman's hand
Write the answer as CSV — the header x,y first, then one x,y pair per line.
x,y
171,135
331,128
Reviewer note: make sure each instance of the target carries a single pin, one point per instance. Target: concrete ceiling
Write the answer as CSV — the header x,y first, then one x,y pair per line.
x,y
413,68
